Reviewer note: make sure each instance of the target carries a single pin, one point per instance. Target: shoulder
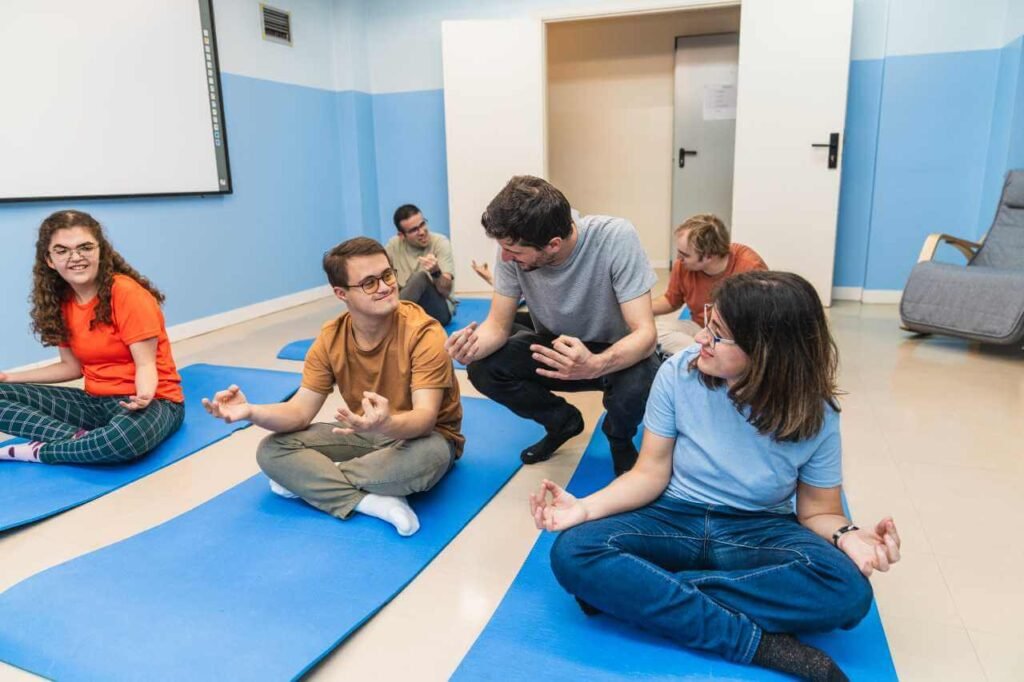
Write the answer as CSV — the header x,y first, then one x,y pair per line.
x,y
607,232
126,289
438,240
393,243
746,257
677,368
414,319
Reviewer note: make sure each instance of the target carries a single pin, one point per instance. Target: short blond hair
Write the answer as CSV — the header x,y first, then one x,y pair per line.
x,y
708,235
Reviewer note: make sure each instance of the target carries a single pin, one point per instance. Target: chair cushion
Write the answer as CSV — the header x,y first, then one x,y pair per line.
x,y
976,302
1013,192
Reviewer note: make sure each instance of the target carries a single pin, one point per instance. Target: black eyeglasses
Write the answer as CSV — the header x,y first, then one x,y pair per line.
x,y
416,228
372,283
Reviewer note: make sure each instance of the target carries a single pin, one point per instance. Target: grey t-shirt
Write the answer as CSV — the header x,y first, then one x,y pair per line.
x,y
581,297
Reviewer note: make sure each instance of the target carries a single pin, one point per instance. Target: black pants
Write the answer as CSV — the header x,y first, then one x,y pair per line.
x,y
509,376
420,290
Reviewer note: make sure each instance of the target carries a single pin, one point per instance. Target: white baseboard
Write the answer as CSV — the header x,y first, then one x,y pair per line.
x,y
210,323
882,295
205,325
847,293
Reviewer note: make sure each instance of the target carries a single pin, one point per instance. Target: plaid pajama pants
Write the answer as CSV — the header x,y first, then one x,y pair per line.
x,y
53,414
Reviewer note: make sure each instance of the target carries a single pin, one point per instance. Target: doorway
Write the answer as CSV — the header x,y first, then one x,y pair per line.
x,y
704,126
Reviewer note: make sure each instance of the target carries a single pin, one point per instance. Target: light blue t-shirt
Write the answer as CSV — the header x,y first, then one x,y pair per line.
x,y
719,458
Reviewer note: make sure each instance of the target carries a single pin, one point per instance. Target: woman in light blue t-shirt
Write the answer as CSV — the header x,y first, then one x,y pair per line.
x,y
699,542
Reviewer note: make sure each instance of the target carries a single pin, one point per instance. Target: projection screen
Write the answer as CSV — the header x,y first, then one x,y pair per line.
x,y
110,98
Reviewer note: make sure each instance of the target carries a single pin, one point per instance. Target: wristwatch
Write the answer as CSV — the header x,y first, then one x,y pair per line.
x,y
841,532
436,273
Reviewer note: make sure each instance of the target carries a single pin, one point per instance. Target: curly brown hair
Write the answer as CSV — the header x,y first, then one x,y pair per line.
x,y
50,290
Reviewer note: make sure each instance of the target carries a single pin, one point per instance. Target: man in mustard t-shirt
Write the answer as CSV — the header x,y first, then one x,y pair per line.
x,y
398,427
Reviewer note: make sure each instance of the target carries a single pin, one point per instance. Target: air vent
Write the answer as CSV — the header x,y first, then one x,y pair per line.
x,y
277,24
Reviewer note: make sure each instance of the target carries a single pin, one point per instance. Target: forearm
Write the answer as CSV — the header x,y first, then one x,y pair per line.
x,y
145,379
662,306
51,374
490,338
824,525
279,417
634,489
415,423
627,351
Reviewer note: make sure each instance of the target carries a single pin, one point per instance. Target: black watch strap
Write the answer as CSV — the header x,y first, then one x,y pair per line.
x,y
841,532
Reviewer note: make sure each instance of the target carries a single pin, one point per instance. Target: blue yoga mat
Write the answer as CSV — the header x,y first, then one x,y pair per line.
x,y
249,586
468,310
539,630
31,492
684,313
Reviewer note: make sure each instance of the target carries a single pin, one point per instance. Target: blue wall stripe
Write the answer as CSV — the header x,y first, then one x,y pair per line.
x,y
411,157
932,151
858,180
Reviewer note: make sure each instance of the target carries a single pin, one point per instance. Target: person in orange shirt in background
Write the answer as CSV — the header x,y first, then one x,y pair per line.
x,y
105,319
704,257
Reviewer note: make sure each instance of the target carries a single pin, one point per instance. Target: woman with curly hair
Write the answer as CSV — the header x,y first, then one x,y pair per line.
x,y
105,319
701,541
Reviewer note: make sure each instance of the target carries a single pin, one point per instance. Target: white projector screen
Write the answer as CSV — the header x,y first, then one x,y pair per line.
x,y
108,98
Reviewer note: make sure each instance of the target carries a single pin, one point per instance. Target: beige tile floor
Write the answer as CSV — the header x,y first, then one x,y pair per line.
x,y
933,433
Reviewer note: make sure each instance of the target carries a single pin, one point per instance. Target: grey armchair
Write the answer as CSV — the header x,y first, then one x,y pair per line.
x,y
983,300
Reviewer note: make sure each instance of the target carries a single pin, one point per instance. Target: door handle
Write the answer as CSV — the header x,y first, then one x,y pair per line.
x,y
683,153
833,149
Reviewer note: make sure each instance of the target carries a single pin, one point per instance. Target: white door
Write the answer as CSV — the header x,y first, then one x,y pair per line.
x,y
793,70
704,126
494,124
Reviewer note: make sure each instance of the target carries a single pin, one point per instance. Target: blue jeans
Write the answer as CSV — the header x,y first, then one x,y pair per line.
x,y
710,577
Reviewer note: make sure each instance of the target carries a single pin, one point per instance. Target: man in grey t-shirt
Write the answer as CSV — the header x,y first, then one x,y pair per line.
x,y
587,282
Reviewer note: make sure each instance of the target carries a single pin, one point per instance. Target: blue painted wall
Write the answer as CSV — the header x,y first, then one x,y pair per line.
x,y
214,254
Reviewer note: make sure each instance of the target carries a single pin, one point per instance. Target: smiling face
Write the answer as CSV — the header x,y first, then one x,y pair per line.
x,y
725,360
74,253
364,269
529,257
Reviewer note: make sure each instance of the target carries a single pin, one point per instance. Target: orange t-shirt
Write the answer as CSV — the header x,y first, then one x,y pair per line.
x,y
103,352
410,357
694,288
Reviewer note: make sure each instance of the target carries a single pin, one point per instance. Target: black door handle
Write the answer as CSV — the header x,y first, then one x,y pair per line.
x,y
683,153
833,149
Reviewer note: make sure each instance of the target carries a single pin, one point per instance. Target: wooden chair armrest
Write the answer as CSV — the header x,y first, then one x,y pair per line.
x,y
932,241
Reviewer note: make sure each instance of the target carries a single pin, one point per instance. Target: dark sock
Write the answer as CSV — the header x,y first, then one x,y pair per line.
x,y
546,446
787,654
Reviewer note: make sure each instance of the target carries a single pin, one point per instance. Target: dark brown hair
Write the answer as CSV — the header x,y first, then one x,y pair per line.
x,y
708,235
336,260
529,211
50,290
777,319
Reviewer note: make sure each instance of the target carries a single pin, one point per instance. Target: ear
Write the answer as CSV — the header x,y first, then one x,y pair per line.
x,y
554,244
49,262
340,293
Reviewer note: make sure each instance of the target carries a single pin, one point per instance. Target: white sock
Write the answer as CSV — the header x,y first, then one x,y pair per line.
x,y
22,452
394,510
279,489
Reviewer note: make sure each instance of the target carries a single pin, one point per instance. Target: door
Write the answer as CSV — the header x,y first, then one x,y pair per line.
x,y
793,70
704,126
494,124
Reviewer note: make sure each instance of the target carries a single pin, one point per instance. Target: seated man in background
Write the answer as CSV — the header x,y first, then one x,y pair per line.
x,y
398,427
588,283
423,263
704,257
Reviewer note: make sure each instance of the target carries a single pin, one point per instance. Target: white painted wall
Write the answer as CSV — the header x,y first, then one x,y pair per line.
x,y
243,51
948,26
348,26
1014,20
610,112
